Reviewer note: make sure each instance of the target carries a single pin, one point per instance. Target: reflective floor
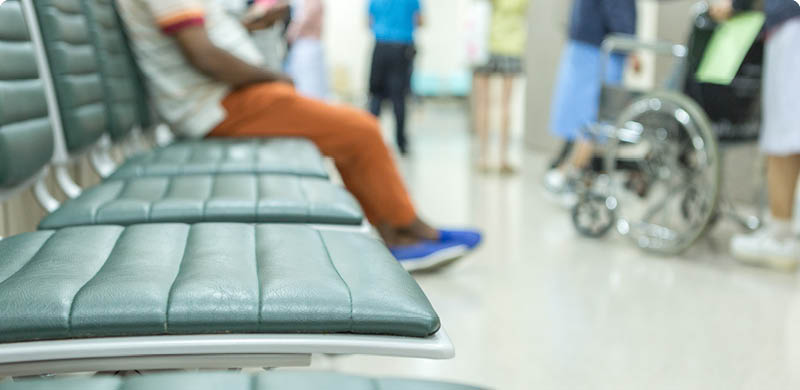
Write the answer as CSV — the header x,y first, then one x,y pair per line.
x,y
538,307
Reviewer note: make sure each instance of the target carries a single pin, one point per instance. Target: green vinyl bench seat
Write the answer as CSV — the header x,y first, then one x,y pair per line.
x,y
210,198
276,380
212,156
177,279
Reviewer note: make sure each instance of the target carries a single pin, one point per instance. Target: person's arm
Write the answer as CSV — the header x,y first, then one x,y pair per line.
x,y
219,64
419,19
371,14
265,14
722,10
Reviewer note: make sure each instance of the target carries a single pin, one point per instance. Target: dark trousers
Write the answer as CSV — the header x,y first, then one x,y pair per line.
x,y
390,78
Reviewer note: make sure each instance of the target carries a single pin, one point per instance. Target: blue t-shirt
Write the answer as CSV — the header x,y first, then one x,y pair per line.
x,y
394,20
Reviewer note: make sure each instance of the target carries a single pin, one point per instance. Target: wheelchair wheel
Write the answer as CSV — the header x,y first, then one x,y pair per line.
x,y
674,152
593,215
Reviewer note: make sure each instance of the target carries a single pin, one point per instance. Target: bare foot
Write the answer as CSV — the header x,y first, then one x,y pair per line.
x,y
507,169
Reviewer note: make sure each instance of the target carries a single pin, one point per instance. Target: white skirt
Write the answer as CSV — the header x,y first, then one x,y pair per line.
x,y
780,133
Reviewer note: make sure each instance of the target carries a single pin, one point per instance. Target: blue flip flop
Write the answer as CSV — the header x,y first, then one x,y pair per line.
x,y
427,255
470,238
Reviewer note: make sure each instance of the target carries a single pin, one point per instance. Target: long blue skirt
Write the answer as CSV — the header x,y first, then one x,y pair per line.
x,y
577,94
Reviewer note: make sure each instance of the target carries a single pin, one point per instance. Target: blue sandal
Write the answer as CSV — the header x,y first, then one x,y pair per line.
x,y
426,255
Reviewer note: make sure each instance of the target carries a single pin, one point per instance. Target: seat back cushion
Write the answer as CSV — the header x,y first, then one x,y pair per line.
x,y
147,117
274,380
75,69
177,279
26,138
117,73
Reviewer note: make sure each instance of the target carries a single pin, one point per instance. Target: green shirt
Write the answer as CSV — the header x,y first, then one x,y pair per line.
x,y
509,27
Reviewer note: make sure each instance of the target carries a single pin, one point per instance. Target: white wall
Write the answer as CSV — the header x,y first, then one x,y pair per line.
x,y
349,42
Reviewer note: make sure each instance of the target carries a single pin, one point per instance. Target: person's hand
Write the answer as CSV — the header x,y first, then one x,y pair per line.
x,y
285,79
261,16
636,63
721,10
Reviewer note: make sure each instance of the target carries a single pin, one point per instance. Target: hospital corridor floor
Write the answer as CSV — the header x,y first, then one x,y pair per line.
x,y
538,307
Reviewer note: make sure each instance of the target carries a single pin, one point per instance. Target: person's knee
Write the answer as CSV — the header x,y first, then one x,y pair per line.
x,y
367,131
274,92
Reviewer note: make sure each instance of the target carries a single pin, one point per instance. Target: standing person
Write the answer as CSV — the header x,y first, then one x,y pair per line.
x,y
305,63
393,22
776,245
506,46
577,95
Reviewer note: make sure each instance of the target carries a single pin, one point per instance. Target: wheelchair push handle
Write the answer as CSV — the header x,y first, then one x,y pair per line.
x,y
623,43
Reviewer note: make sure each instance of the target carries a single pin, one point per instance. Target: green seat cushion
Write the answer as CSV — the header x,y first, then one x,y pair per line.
x,y
294,156
210,198
177,279
26,140
276,380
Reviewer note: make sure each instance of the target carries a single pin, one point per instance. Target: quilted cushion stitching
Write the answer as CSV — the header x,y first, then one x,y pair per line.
x,y
258,274
177,276
253,382
210,196
78,292
300,183
96,212
53,233
167,189
333,264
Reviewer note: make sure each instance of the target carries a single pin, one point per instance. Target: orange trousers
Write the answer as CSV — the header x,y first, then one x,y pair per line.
x,y
351,137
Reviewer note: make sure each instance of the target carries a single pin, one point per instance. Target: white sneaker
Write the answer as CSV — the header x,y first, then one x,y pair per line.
x,y
560,189
555,180
765,249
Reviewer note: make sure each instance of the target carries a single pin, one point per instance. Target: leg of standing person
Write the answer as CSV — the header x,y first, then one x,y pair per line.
x,y
505,126
480,100
782,176
566,151
776,245
399,84
377,79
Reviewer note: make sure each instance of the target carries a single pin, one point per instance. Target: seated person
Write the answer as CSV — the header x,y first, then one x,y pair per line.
x,y
206,79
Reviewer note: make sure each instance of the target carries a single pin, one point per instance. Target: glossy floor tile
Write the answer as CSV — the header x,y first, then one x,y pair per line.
x,y
538,307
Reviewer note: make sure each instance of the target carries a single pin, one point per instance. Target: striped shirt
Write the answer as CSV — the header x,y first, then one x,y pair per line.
x,y
188,100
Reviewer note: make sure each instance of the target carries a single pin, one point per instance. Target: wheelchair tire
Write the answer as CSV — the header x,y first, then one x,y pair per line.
x,y
592,217
684,148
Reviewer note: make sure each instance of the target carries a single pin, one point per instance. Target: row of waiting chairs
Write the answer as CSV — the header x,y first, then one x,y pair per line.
x,y
198,254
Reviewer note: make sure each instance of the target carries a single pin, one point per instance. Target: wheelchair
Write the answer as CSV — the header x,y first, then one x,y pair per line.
x,y
657,175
